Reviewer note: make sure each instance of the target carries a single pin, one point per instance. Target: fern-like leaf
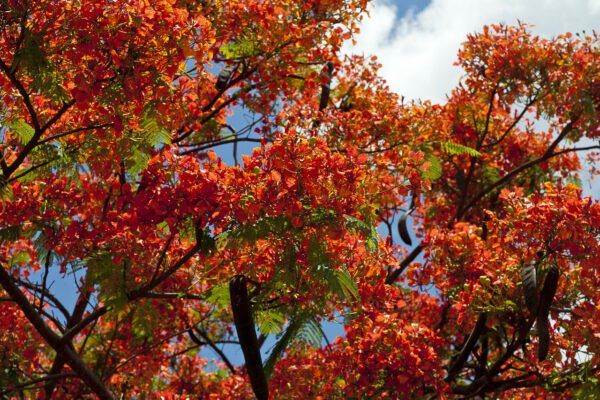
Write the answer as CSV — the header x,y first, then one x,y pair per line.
x,y
435,168
458,149
22,130
283,342
10,234
155,134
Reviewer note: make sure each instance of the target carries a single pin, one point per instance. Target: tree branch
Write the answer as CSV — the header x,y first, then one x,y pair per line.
x,y
72,358
212,346
391,278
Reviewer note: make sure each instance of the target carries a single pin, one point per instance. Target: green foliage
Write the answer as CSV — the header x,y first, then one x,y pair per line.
x,y
270,321
368,228
154,134
138,162
22,258
206,241
242,48
311,332
458,149
283,342
22,130
144,321
6,192
489,175
151,136
590,386
45,78
30,54
344,282
435,168
259,230
219,296
337,279
11,233
110,280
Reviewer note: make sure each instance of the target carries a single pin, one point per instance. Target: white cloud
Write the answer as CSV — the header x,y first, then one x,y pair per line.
x,y
417,50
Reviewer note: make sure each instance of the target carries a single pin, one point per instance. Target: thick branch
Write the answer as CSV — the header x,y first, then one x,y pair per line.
x,y
72,358
212,346
391,278
141,292
547,155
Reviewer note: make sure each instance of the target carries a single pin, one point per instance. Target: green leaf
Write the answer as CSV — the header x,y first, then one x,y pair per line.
x,y
262,228
206,241
490,175
219,296
290,332
243,47
365,227
140,161
110,279
435,169
270,321
32,52
155,134
144,321
23,131
21,257
10,234
347,284
458,149
312,332
6,192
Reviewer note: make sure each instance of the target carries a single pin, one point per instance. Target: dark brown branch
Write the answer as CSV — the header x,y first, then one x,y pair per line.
x,y
44,280
462,357
513,124
212,346
23,92
32,382
141,292
55,302
563,133
547,155
392,276
215,143
71,332
33,142
162,256
488,116
72,131
246,331
59,360
72,358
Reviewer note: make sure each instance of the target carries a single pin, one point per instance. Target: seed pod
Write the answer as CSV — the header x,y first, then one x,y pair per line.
x,y
244,326
403,228
546,298
226,76
528,278
543,338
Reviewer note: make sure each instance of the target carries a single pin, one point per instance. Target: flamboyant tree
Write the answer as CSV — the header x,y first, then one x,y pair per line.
x,y
111,115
